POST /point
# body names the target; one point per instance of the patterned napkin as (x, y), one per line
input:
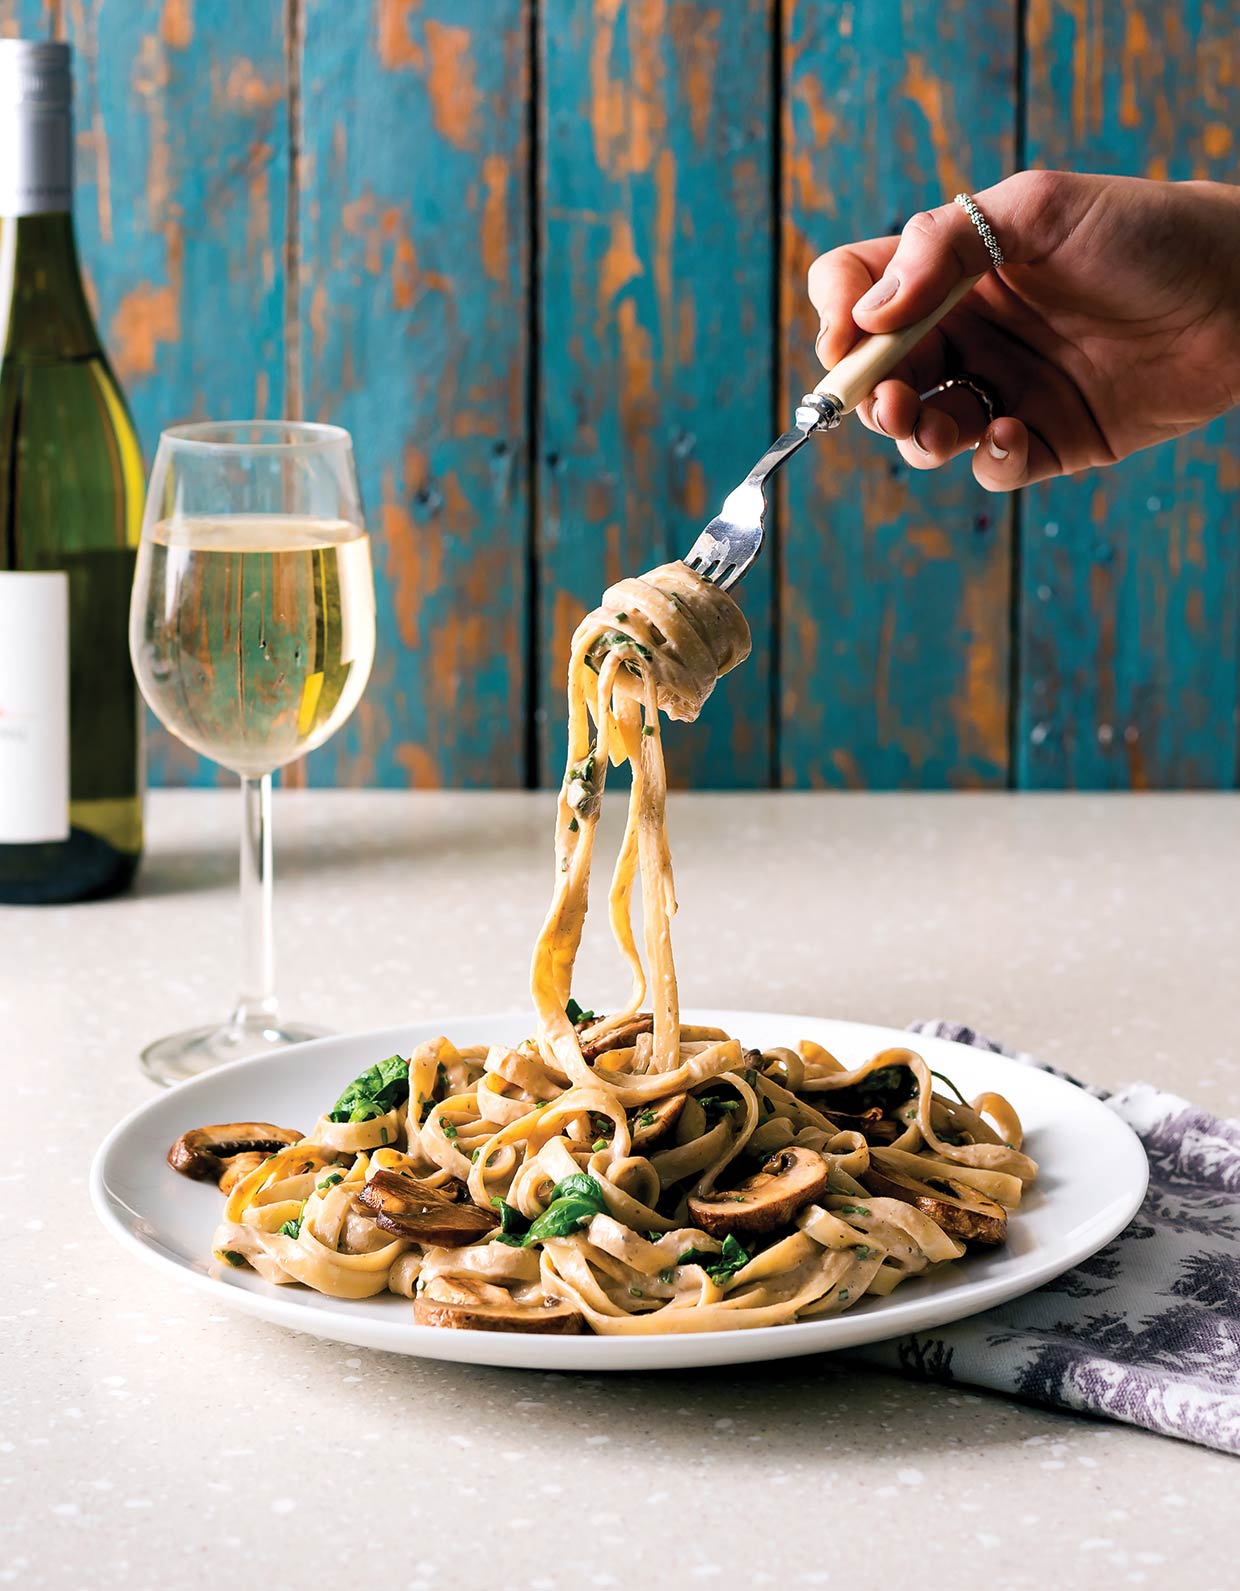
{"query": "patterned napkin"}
(1148, 1330)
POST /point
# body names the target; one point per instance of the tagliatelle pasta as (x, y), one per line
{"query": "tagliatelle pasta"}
(625, 1173)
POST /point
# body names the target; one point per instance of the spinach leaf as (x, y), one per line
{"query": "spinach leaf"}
(574, 1201)
(719, 1267)
(886, 1088)
(512, 1224)
(950, 1085)
(379, 1089)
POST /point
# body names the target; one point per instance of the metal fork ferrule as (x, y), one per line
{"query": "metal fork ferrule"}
(819, 411)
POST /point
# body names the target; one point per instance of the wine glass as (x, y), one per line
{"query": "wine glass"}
(252, 632)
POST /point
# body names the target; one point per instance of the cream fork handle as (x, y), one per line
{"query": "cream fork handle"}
(867, 362)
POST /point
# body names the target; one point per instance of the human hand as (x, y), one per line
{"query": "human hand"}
(1114, 322)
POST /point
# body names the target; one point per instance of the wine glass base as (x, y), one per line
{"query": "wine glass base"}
(183, 1055)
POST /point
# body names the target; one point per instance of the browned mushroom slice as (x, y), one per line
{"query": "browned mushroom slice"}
(204, 1153)
(961, 1211)
(448, 1301)
(765, 1201)
(410, 1208)
(873, 1126)
(619, 1038)
(653, 1123)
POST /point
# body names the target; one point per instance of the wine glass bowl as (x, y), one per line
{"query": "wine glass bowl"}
(252, 634)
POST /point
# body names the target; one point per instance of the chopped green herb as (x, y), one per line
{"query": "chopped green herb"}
(647, 729)
(750, 1074)
(292, 1228)
(330, 1182)
(618, 639)
(843, 1295)
(622, 618)
(862, 1252)
(473, 1156)
(654, 1236)
(376, 1091)
(573, 825)
(718, 1104)
(441, 1077)
(449, 1131)
(564, 865)
(232, 1256)
(646, 1119)
(575, 1014)
(667, 1277)
(636, 1292)
(767, 1106)
(542, 1104)
(598, 1144)
(383, 1136)
(853, 1209)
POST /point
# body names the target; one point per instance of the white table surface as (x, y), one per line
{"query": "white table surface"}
(151, 1439)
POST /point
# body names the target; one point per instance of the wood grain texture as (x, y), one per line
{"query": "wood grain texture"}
(182, 169)
(413, 326)
(1130, 596)
(655, 354)
(894, 601)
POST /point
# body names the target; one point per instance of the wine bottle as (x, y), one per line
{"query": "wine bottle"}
(71, 485)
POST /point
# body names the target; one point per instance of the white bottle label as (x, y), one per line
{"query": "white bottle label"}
(34, 707)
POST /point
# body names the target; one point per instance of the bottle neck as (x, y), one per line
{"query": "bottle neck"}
(43, 309)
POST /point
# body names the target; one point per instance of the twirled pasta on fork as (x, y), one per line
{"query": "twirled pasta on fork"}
(624, 1173)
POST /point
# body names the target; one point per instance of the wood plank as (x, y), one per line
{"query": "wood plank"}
(413, 245)
(1130, 593)
(894, 600)
(182, 171)
(656, 353)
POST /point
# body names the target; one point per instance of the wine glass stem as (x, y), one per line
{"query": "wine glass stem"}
(257, 1006)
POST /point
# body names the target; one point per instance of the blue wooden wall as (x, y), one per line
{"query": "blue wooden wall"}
(546, 260)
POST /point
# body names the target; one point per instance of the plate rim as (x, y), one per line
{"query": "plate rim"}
(797, 1339)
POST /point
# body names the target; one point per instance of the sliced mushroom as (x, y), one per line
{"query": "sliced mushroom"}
(961, 1211)
(653, 1123)
(448, 1301)
(873, 1126)
(791, 1178)
(619, 1038)
(414, 1209)
(207, 1153)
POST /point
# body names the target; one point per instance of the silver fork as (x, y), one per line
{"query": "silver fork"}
(727, 548)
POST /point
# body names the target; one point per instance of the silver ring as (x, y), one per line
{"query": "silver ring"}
(980, 389)
(969, 206)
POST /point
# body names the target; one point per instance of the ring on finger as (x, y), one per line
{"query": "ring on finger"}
(981, 390)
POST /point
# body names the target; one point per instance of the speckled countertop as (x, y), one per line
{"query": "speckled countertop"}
(149, 1439)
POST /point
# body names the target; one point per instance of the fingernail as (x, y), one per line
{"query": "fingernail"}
(917, 441)
(821, 342)
(878, 424)
(996, 452)
(884, 289)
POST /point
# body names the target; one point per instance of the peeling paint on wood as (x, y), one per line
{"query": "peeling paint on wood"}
(895, 593)
(414, 233)
(656, 345)
(1130, 595)
(182, 167)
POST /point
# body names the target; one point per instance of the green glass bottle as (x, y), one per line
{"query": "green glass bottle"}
(71, 484)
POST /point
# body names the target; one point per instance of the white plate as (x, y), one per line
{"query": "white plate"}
(1091, 1181)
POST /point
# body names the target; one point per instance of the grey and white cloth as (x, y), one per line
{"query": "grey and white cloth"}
(1148, 1330)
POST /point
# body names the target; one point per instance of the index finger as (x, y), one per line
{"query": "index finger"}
(837, 280)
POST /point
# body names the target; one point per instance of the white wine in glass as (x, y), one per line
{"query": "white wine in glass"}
(252, 631)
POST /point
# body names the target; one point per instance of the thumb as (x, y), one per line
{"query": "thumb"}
(939, 247)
